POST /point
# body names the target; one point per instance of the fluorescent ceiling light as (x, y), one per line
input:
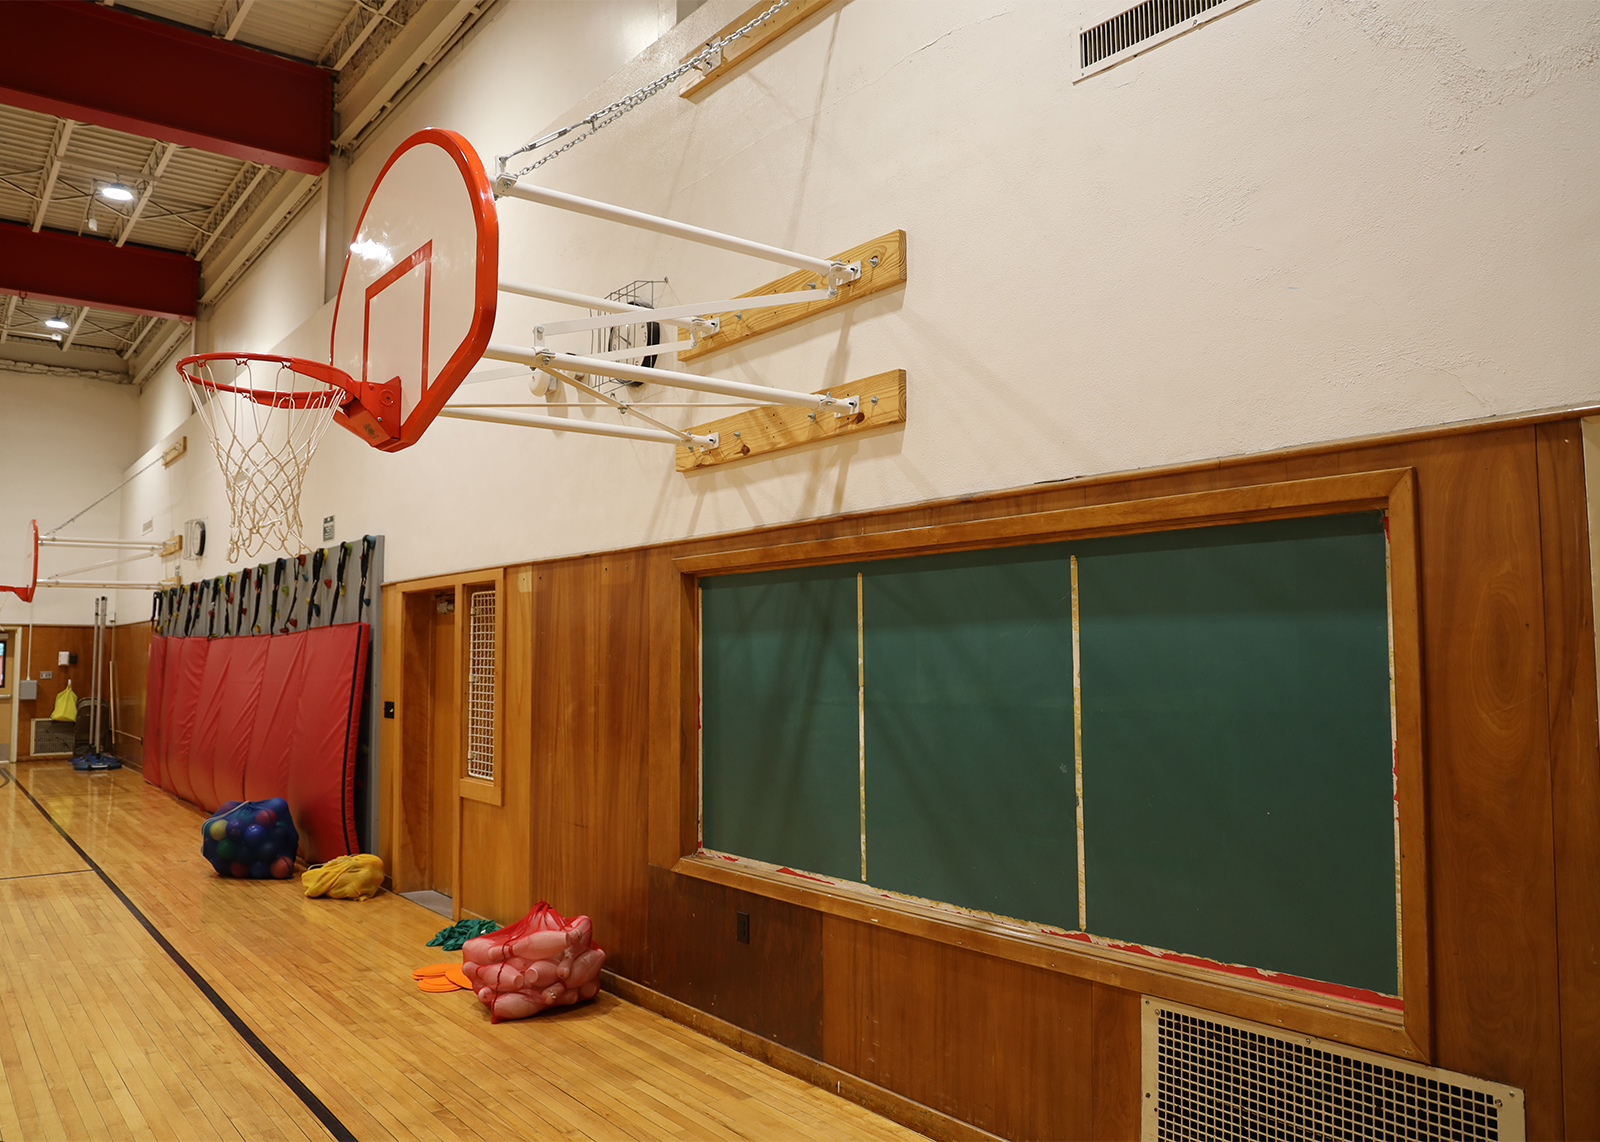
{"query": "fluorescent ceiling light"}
(57, 322)
(116, 192)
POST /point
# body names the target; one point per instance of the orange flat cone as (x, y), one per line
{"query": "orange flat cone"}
(432, 971)
(458, 977)
(439, 985)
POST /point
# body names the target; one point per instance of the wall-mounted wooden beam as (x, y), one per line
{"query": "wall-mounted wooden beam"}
(776, 428)
(750, 44)
(883, 266)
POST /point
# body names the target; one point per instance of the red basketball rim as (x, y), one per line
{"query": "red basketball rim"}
(336, 379)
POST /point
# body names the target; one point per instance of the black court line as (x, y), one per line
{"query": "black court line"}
(314, 1104)
(36, 875)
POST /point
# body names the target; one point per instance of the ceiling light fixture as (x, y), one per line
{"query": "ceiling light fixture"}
(116, 192)
(57, 322)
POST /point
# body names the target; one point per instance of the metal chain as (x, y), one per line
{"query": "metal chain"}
(612, 112)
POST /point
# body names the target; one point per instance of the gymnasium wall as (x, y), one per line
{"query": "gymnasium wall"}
(602, 745)
(64, 442)
(1304, 221)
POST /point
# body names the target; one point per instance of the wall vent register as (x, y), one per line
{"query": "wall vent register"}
(1209, 1076)
(480, 686)
(1142, 27)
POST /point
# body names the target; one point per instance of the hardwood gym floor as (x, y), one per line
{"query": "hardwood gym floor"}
(103, 1034)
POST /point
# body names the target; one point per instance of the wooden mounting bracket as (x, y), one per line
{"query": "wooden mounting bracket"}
(883, 266)
(749, 45)
(777, 428)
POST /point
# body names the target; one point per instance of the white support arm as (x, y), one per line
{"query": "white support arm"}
(833, 272)
(564, 424)
(697, 309)
(105, 586)
(538, 358)
(123, 544)
(585, 301)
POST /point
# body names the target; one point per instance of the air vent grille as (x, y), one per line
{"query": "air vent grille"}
(1207, 1076)
(1141, 28)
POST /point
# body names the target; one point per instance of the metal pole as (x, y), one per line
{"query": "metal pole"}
(94, 680)
(562, 424)
(128, 545)
(104, 585)
(584, 301)
(832, 271)
(847, 406)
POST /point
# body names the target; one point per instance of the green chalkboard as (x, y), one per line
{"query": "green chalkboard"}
(780, 760)
(1237, 759)
(970, 783)
(1236, 736)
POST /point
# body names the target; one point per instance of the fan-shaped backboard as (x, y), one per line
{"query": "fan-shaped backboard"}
(417, 301)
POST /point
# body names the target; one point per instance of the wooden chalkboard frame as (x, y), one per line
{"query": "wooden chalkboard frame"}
(1407, 1033)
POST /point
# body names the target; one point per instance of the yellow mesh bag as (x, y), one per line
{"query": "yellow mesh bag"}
(353, 877)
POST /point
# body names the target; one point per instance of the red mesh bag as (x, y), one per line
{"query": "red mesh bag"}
(543, 960)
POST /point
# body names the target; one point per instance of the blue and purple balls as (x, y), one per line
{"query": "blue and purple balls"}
(251, 840)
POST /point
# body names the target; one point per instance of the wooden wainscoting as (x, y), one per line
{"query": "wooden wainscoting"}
(601, 678)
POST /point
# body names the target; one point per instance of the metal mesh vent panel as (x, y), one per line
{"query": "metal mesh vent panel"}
(1136, 25)
(1211, 1078)
(480, 687)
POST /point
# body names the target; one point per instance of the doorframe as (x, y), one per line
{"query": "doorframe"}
(407, 677)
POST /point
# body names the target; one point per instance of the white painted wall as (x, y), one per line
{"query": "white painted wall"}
(1307, 220)
(64, 442)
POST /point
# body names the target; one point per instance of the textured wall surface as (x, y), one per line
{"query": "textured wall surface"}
(1303, 221)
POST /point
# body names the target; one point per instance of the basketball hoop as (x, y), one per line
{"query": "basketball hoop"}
(266, 415)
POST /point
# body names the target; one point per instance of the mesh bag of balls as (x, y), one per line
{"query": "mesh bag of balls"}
(251, 839)
(543, 960)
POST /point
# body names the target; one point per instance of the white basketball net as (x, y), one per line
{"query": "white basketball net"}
(265, 421)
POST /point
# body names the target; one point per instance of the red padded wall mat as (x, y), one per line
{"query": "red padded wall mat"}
(248, 718)
(236, 722)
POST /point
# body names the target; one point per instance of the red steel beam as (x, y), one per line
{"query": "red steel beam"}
(91, 271)
(85, 61)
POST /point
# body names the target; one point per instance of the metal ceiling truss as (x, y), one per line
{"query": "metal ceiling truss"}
(63, 139)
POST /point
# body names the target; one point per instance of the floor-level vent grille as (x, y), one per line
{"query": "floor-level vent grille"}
(1143, 27)
(1211, 1077)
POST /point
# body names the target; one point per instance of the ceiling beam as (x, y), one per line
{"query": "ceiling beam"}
(429, 27)
(47, 185)
(99, 65)
(88, 271)
(161, 156)
(233, 255)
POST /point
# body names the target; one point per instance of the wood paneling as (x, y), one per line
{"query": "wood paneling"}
(1509, 778)
(1003, 1046)
(771, 985)
(1115, 1082)
(923, 1119)
(130, 654)
(1574, 764)
(589, 831)
(44, 643)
